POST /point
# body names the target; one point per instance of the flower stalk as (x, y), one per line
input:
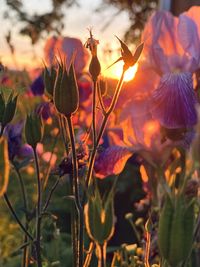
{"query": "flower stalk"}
(25, 203)
(38, 211)
(103, 125)
(75, 186)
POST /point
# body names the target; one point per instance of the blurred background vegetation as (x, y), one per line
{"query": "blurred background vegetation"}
(37, 25)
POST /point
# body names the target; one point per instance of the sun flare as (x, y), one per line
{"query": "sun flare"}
(116, 71)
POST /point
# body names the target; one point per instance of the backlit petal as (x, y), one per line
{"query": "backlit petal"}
(111, 161)
(174, 101)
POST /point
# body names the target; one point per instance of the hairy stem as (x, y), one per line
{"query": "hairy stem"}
(25, 203)
(102, 255)
(103, 126)
(23, 228)
(75, 185)
(50, 195)
(38, 211)
(94, 112)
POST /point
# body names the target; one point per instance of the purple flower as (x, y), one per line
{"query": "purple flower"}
(172, 50)
(158, 109)
(174, 101)
(46, 109)
(111, 161)
(37, 87)
(15, 146)
(65, 47)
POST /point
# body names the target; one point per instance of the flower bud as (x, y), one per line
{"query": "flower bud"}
(8, 109)
(99, 217)
(129, 216)
(66, 95)
(95, 68)
(4, 165)
(49, 79)
(34, 129)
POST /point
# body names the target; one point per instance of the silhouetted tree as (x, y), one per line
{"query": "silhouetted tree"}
(35, 25)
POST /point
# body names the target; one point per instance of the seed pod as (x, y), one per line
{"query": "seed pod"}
(58, 79)
(95, 68)
(99, 218)
(9, 110)
(66, 95)
(74, 92)
(165, 227)
(34, 129)
(49, 79)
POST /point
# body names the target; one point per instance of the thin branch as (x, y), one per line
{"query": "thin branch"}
(16, 217)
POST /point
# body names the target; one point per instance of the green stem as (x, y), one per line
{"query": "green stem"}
(25, 202)
(103, 125)
(25, 249)
(75, 183)
(50, 195)
(38, 211)
(102, 255)
(49, 164)
(16, 217)
(94, 112)
(101, 99)
(89, 254)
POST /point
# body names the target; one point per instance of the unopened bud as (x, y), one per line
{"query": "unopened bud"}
(7, 110)
(129, 216)
(34, 129)
(66, 95)
(95, 68)
(49, 79)
(99, 218)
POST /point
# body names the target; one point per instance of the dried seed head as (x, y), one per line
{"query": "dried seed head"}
(91, 44)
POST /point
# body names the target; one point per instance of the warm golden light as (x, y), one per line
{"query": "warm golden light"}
(150, 129)
(130, 73)
(116, 71)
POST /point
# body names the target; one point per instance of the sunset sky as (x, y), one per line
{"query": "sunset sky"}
(77, 21)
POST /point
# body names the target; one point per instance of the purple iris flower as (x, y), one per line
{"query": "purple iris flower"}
(15, 146)
(46, 109)
(161, 97)
(37, 87)
(172, 50)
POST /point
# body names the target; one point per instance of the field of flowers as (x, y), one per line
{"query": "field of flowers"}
(97, 172)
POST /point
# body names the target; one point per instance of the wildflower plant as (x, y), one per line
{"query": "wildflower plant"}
(155, 124)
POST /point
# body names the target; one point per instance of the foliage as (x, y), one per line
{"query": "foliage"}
(35, 25)
(138, 11)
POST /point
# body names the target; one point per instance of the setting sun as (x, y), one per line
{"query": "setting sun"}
(116, 71)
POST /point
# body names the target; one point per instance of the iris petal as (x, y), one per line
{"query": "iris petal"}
(174, 100)
(111, 161)
(188, 35)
